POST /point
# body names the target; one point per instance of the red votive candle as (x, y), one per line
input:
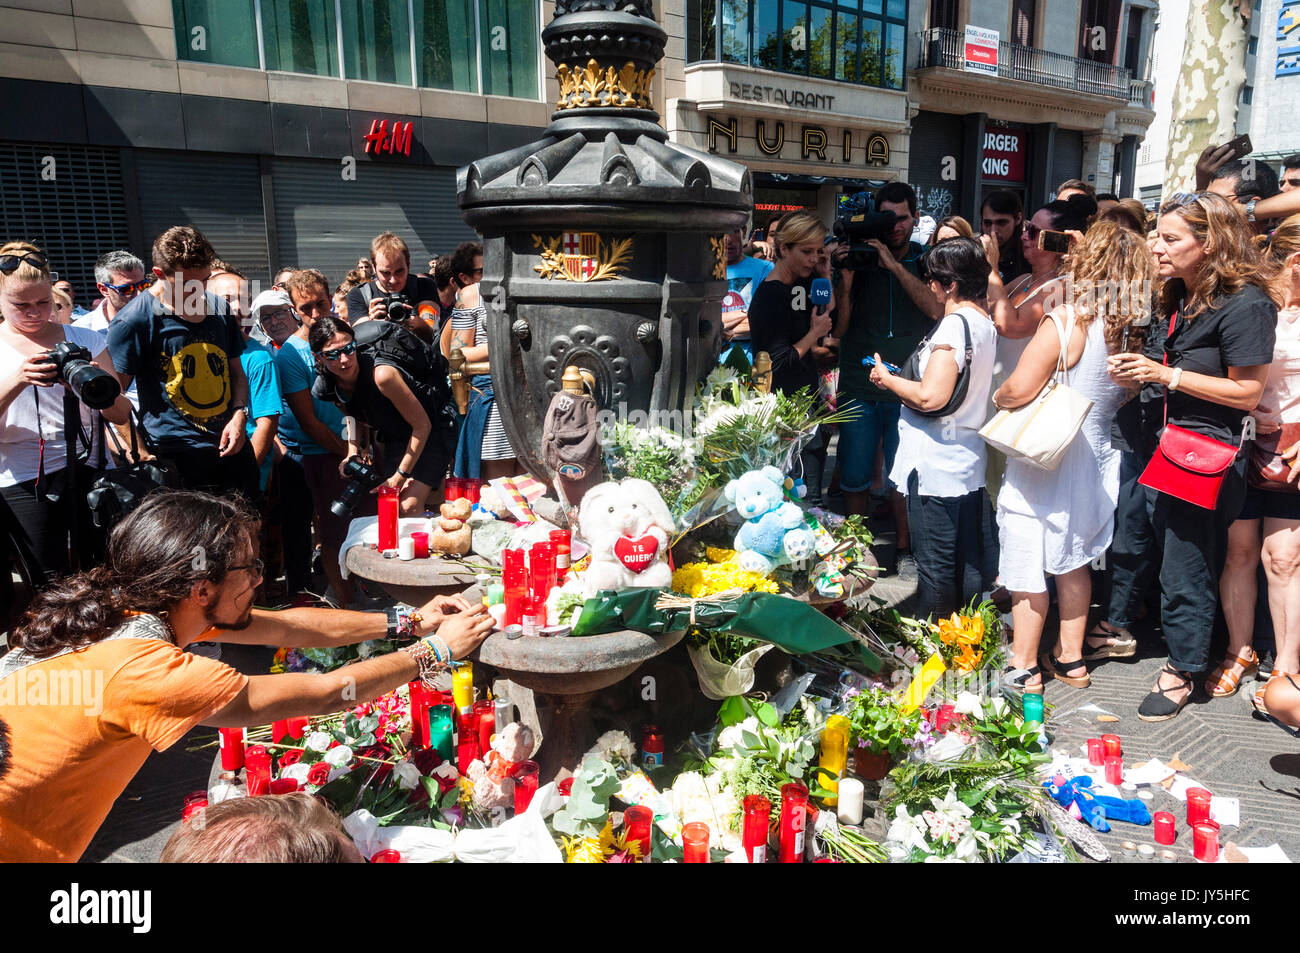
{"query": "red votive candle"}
(387, 857)
(257, 770)
(453, 489)
(486, 714)
(387, 518)
(1166, 827)
(466, 751)
(564, 786)
(472, 490)
(637, 819)
(695, 843)
(1205, 841)
(794, 814)
(525, 774)
(1114, 769)
(279, 731)
(541, 570)
(514, 578)
(419, 714)
(232, 748)
(298, 726)
(1096, 752)
(944, 716)
(421, 541)
(1198, 805)
(562, 541)
(283, 786)
(1112, 743)
(195, 801)
(758, 810)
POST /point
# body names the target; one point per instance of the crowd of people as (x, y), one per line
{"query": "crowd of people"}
(237, 434)
(1176, 328)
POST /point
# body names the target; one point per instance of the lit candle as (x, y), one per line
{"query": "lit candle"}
(794, 815)
(462, 688)
(1113, 745)
(525, 774)
(419, 714)
(637, 819)
(257, 770)
(695, 843)
(834, 755)
(850, 801)
(232, 748)
(758, 811)
(485, 713)
(421, 543)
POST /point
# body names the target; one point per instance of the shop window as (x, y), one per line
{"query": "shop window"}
(217, 31)
(445, 46)
(1022, 22)
(508, 40)
(943, 14)
(300, 36)
(377, 41)
(852, 40)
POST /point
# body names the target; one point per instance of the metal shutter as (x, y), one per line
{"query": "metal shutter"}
(935, 136)
(74, 217)
(327, 223)
(221, 196)
(1067, 157)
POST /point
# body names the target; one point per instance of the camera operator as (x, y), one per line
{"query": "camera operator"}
(133, 617)
(884, 309)
(389, 389)
(39, 466)
(181, 346)
(395, 293)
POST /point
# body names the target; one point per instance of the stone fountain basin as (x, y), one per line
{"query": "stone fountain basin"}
(573, 665)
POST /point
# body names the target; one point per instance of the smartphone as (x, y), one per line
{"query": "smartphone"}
(1049, 240)
(757, 236)
(871, 362)
(1240, 147)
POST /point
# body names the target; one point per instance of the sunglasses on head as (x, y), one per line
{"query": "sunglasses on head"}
(9, 263)
(333, 354)
(1181, 200)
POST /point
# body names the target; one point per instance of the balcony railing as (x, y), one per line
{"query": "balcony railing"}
(1140, 93)
(945, 48)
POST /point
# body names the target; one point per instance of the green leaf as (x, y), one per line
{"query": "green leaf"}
(450, 798)
(750, 740)
(767, 715)
(732, 711)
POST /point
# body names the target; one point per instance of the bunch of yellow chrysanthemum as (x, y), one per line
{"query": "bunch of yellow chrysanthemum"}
(722, 573)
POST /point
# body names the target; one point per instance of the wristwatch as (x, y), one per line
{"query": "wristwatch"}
(1250, 209)
(248, 414)
(403, 473)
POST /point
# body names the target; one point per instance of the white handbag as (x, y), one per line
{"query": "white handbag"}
(1040, 432)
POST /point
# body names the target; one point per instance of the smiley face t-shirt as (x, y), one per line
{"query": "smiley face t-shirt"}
(182, 369)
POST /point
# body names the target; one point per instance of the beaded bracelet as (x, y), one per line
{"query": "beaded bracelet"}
(428, 658)
(402, 622)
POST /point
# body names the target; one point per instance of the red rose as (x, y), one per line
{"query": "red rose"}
(292, 756)
(319, 773)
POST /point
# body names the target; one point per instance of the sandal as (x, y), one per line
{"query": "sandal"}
(1223, 681)
(1157, 706)
(1058, 669)
(1015, 679)
(1119, 643)
(1257, 700)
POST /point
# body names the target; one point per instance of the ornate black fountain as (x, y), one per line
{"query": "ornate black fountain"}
(603, 241)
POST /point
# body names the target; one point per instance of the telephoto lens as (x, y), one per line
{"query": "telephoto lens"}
(94, 386)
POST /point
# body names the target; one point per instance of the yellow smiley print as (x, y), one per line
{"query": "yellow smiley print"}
(198, 380)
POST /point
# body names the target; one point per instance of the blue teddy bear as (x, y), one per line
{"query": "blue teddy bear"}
(774, 533)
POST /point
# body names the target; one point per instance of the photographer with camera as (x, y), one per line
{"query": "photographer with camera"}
(885, 308)
(389, 384)
(53, 378)
(311, 431)
(394, 293)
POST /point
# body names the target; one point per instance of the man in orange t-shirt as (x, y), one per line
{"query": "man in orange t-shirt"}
(98, 676)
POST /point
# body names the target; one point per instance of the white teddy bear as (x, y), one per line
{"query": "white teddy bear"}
(627, 525)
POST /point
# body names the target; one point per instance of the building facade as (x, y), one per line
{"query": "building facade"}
(1269, 106)
(292, 131)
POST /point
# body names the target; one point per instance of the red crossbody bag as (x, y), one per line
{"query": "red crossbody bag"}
(1188, 465)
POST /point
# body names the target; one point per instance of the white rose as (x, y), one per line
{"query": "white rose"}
(447, 771)
(969, 704)
(298, 772)
(408, 776)
(318, 741)
(339, 756)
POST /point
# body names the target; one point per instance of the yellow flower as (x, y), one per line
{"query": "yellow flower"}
(719, 555)
(611, 843)
(583, 850)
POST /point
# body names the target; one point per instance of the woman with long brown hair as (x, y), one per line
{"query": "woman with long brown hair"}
(1272, 499)
(1210, 357)
(1057, 522)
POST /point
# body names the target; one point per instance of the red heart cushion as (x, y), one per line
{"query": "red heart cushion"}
(636, 554)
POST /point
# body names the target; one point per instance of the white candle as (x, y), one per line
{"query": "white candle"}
(406, 548)
(850, 806)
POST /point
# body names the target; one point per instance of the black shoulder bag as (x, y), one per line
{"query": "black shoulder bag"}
(911, 371)
(115, 493)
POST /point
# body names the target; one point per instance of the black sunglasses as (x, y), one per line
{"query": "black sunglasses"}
(9, 263)
(256, 567)
(334, 354)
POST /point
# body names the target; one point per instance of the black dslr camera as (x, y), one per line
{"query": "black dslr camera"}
(399, 307)
(363, 479)
(94, 386)
(855, 229)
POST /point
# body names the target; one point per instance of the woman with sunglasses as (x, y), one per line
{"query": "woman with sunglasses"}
(381, 393)
(1207, 363)
(36, 410)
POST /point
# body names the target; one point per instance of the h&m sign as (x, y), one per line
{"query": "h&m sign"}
(394, 139)
(813, 142)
